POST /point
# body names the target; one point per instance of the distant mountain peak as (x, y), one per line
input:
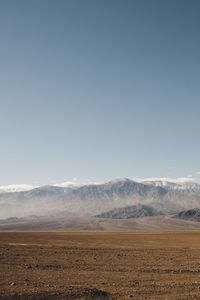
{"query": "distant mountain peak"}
(119, 180)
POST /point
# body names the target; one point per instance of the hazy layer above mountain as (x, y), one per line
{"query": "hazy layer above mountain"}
(128, 212)
(95, 199)
(15, 188)
(24, 187)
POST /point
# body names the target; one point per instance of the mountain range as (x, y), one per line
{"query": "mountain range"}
(95, 199)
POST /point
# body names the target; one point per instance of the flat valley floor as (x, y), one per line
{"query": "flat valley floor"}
(103, 265)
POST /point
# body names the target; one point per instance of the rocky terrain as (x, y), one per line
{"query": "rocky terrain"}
(87, 266)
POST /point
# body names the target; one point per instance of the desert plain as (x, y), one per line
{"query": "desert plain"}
(100, 265)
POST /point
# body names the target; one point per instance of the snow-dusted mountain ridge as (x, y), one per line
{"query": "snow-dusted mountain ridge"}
(94, 199)
(187, 185)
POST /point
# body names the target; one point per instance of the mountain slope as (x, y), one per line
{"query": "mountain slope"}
(190, 214)
(128, 212)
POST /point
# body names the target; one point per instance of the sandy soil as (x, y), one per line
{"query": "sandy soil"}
(156, 265)
(98, 224)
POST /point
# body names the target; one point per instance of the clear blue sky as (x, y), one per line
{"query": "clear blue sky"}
(99, 89)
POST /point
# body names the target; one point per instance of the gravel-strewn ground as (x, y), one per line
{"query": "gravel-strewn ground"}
(100, 265)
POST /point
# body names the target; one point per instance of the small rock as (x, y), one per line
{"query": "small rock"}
(13, 283)
(29, 267)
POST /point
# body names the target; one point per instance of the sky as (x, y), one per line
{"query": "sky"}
(99, 89)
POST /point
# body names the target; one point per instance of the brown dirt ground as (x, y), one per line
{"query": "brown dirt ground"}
(157, 265)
